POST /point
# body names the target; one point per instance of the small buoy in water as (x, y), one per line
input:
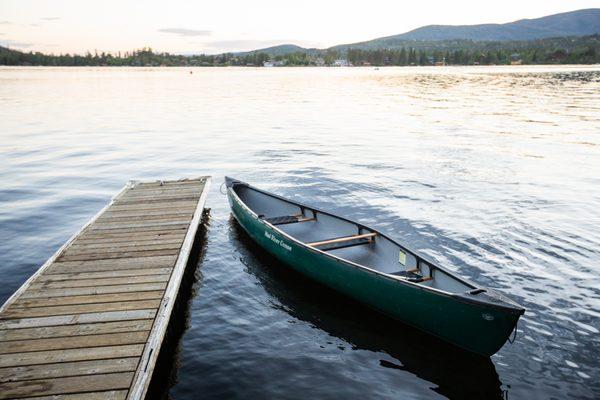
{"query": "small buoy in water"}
(191, 72)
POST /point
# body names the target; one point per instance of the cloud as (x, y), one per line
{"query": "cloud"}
(12, 43)
(35, 25)
(51, 18)
(5, 23)
(185, 31)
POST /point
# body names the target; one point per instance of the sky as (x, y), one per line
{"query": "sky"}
(204, 26)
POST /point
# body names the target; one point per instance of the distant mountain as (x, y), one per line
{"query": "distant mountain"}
(574, 23)
(280, 50)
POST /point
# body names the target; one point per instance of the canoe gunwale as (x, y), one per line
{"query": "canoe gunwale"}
(509, 306)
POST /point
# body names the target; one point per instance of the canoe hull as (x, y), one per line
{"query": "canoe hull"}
(474, 327)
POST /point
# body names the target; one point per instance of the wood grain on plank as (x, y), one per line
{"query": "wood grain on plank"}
(160, 184)
(121, 248)
(124, 280)
(109, 339)
(103, 274)
(136, 233)
(158, 191)
(137, 230)
(130, 263)
(130, 240)
(128, 232)
(138, 225)
(141, 287)
(166, 198)
(187, 212)
(182, 195)
(116, 255)
(121, 243)
(103, 240)
(16, 312)
(104, 395)
(76, 384)
(171, 206)
(88, 299)
(66, 355)
(76, 330)
(157, 200)
(174, 194)
(143, 219)
(180, 191)
(77, 319)
(76, 368)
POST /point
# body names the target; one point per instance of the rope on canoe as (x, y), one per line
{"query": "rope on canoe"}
(511, 341)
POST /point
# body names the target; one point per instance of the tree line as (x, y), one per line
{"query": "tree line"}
(581, 50)
(588, 55)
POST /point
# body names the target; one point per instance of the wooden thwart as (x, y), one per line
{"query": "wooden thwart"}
(89, 324)
(342, 239)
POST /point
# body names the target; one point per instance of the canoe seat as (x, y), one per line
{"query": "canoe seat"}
(287, 219)
(343, 242)
(412, 276)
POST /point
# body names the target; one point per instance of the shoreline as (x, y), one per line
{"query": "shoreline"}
(302, 66)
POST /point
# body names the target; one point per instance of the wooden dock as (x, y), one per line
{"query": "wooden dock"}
(90, 322)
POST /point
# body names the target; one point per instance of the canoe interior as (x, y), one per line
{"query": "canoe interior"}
(333, 235)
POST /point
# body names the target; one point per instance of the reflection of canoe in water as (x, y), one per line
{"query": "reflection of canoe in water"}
(372, 268)
(445, 368)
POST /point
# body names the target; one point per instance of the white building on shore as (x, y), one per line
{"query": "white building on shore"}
(273, 63)
(342, 62)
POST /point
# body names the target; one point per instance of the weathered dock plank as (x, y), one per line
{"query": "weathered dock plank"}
(38, 293)
(76, 368)
(76, 384)
(90, 322)
(54, 356)
(105, 274)
(76, 330)
(16, 312)
(109, 339)
(80, 300)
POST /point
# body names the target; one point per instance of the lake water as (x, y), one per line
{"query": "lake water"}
(492, 171)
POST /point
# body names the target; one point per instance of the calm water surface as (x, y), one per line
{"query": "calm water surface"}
(494, 172)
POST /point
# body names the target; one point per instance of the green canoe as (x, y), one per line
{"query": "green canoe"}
(372, 268)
